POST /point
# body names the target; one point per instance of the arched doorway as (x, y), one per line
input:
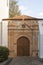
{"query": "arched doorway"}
(23, 46)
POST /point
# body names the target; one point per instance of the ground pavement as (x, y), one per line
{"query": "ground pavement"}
(25, 60)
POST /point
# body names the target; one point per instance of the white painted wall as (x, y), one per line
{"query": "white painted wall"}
(5, 33)
(4, 9)
(38, 44)
(40, 39)
(0, 33)
(4, 13)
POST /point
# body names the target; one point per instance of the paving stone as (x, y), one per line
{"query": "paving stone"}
(6, 62)
(25, 61)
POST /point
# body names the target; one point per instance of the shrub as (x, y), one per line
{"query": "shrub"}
(4, 52)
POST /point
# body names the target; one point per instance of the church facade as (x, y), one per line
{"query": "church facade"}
(23, 36)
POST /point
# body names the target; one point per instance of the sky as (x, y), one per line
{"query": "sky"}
(31, 7)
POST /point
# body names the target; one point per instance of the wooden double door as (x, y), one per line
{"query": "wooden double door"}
(23, 46)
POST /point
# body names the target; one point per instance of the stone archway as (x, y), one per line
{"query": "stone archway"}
(23, 46)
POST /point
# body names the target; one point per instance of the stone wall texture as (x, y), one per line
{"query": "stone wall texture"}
(20, 28)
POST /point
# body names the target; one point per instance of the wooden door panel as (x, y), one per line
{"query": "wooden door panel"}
(23, 47)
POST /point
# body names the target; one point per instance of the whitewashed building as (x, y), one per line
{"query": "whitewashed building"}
(4, 13)
(40, 41)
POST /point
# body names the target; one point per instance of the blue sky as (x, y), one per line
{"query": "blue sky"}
(31, 7)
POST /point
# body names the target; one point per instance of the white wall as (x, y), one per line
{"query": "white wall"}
(5, 33)
(40, 38)
(4, 9)
(4, 13)
(0, 33)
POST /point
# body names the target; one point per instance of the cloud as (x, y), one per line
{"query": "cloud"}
(25, 10)
(40, 15)
(22, 7)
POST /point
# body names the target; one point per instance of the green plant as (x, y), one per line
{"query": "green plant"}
(14, 9)
(4, 52)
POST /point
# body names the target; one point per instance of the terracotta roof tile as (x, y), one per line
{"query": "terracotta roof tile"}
(23, 17)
